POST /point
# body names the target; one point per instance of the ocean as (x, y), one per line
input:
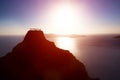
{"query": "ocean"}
(99, 53)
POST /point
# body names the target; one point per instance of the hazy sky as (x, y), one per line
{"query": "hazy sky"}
(83, 16)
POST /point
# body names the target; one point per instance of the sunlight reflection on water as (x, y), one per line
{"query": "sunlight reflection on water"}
(66, 43)
(100, 54)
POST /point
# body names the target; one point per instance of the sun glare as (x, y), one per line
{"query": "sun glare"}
(64, 18)
(66, 43)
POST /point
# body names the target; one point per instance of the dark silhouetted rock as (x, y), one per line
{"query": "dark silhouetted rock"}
(36, 58)
(117, 37)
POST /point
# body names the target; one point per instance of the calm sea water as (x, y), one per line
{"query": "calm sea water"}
(100, 54)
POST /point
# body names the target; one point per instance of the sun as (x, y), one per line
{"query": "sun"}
(64, 18)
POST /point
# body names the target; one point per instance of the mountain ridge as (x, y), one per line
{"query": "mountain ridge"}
(36, 58)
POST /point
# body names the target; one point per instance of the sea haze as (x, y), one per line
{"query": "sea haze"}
(99, 53)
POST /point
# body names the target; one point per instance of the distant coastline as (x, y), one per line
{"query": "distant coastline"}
(117, 37)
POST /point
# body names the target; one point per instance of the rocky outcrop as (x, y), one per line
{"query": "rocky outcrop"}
(36, 58)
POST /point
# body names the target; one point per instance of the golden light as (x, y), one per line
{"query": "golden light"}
(66, 43)
(67, 18)
(64, 18)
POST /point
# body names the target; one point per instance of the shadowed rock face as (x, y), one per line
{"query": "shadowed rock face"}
(36, 58)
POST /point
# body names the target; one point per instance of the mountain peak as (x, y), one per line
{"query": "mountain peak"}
(34, 36)
(36, 58)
